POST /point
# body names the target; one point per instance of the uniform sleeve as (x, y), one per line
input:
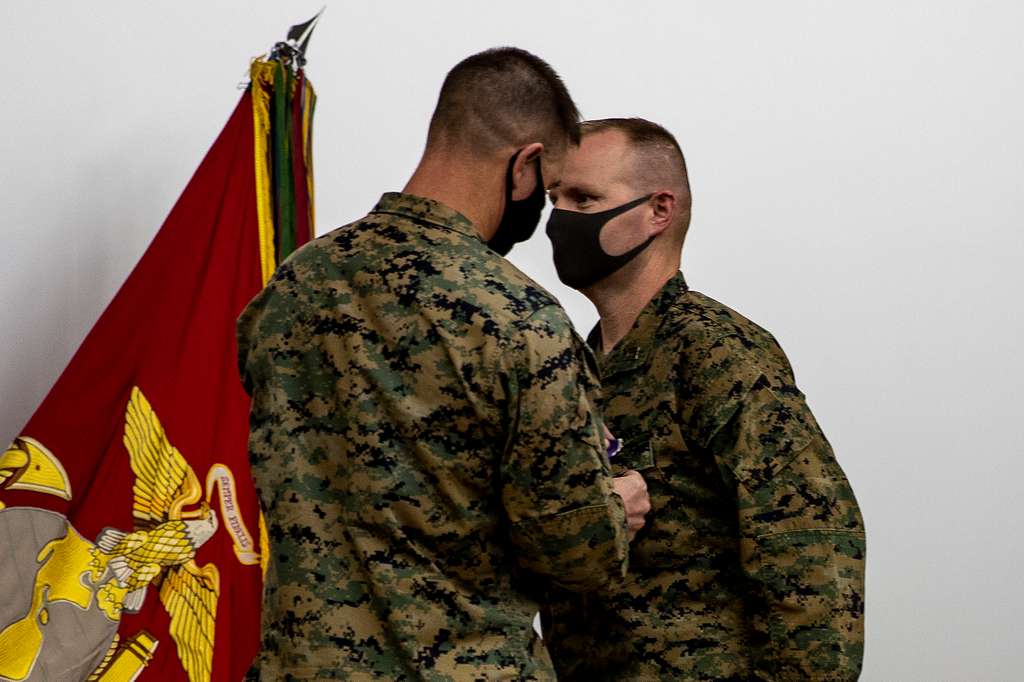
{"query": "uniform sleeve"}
(802, 541)
(274, 358)
(564, 518)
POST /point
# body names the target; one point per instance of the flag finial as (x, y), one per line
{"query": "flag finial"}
(293, 48)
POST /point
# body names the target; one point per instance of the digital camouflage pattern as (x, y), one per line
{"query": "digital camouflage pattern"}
(425, 444)
(751, 565)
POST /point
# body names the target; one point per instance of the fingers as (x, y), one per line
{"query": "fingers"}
(606, 436)
(632, 488)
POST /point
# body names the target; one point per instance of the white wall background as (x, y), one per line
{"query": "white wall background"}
(856, 169)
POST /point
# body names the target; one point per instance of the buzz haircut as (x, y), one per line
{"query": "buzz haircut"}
(658, 151)
(503, 97)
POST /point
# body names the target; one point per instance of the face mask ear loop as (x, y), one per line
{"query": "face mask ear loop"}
(539, 188)
(511, 168)
(508, 176)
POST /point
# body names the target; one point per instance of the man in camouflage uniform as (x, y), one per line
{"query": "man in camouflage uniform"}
(752, 563)
(423, 430)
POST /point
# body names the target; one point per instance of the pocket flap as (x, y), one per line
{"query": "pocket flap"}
(636, 455)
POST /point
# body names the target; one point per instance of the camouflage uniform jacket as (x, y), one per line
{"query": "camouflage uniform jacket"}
(423, 431)
(751, 565)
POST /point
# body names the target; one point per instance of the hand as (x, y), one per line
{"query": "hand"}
(632, 488)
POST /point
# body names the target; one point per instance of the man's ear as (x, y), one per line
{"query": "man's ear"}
(524, 171)
(663, 210)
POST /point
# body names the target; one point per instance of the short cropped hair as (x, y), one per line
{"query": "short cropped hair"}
(504, 97)
(658, 162)
(658, 151)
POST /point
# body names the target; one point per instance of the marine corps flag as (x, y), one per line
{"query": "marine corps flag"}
(130, 533)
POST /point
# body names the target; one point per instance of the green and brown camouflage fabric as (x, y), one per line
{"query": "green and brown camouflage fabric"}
(425, 443)
(751, 565)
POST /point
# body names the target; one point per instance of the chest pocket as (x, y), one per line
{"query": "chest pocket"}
(637, 454)
(640, 407)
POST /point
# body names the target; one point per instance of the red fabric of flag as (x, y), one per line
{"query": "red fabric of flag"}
(149, 408)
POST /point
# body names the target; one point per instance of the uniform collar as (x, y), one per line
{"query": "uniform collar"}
(427, 211)
(635, 349)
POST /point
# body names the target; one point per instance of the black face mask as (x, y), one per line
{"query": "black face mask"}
(576, 241)
(519, 221)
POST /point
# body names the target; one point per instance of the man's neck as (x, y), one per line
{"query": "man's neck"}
(620, 300)
(471, 187)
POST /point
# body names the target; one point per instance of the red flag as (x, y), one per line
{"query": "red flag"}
(130, 527)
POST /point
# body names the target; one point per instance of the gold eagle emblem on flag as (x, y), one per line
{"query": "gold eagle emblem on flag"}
(163, 547)
(111, 577)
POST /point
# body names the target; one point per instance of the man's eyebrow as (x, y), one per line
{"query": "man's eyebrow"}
(554, 185)
(579, 189)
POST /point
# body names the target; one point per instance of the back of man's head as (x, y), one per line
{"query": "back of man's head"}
(500, 98)
(657, 161)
